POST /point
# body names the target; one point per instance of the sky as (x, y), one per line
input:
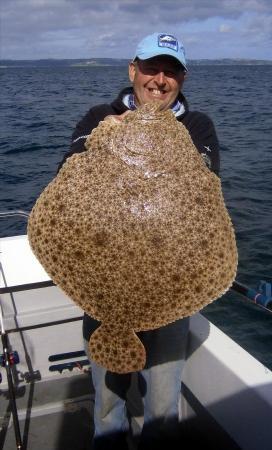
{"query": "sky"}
(37, 29)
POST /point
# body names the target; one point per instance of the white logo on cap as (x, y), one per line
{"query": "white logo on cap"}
(167, 40)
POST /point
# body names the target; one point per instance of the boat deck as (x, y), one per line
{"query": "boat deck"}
(57, 415)
(53, 415)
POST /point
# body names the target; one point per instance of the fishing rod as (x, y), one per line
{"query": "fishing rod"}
(262, 296)
(7, 360)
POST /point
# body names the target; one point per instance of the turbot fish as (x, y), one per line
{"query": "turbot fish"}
(135, 231)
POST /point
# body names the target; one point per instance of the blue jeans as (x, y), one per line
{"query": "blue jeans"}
(159, 385)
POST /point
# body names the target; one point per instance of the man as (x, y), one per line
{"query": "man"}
(157, 72)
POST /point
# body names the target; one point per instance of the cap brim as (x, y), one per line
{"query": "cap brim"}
(148, 55)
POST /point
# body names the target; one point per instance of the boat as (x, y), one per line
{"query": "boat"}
(46, 392)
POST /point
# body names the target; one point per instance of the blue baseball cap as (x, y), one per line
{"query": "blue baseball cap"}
(157, 44)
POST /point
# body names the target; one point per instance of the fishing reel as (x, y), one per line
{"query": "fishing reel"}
(263, 295)
(9, 358)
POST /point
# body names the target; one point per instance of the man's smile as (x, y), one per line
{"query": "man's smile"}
(156, 92)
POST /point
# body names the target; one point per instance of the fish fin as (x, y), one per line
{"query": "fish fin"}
(119, 351)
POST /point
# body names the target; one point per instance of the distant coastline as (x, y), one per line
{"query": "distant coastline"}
(104, 62)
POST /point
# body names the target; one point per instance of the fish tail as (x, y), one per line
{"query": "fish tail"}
(119, 351)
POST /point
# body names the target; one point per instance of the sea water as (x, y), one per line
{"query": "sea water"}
(40, 107)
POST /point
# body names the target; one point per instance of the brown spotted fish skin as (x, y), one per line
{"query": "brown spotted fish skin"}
(135, 231)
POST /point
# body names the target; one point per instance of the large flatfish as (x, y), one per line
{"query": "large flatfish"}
(135, 231)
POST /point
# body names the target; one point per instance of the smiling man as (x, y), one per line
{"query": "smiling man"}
(157, 78)
(157, 72)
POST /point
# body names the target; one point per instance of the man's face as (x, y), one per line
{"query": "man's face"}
(158, 78)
